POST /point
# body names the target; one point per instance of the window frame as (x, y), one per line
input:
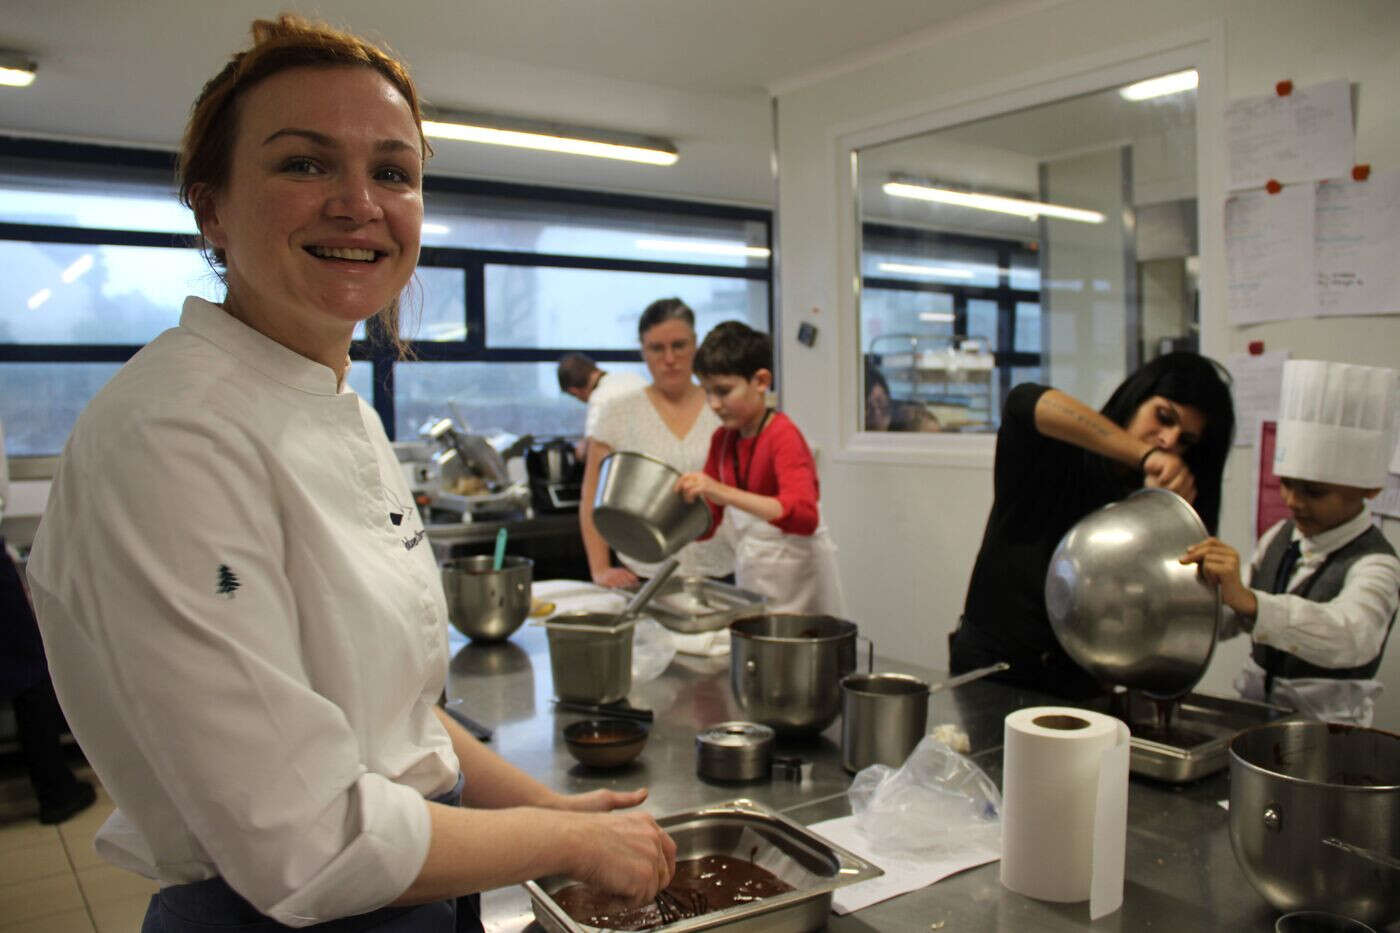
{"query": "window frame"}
(472, 261)
(1201, 48)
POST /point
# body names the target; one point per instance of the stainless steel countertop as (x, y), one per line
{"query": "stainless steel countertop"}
(1181, 872)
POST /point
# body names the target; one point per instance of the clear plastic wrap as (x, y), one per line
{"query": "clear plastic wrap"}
(938, 802)
(653, 647)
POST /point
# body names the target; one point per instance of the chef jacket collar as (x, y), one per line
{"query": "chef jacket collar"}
(1326, 542)
(260, 352)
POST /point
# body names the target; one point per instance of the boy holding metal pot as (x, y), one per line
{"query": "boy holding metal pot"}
(1325, 583)
(760, 464)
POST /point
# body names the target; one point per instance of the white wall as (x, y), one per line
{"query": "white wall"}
(908, 513)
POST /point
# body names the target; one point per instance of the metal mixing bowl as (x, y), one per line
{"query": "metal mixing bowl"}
(486, 604)
(786, 670)
(1122, 604)
(1294, 784)
(638, 511)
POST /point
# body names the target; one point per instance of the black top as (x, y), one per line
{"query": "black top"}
(1042, 487)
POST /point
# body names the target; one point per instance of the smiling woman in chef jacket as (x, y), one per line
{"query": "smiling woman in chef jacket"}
(243, 619)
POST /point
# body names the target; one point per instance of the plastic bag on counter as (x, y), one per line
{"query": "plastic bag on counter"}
(653, 647)
(938, 802)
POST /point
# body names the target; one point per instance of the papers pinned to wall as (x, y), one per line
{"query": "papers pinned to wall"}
(1304, 135)
(1324, 248)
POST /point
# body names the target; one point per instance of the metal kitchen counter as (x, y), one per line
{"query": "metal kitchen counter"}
(1181, 874)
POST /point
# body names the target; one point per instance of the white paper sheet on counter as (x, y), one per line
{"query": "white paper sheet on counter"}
(902, 873)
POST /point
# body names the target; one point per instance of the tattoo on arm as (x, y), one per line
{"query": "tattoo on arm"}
(1093, 425)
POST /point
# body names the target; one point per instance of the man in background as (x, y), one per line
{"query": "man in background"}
(580, 377)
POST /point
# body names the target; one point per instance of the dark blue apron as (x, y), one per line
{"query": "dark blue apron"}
(208, 906)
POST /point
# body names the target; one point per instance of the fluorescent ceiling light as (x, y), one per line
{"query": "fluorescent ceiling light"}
(16, 69)
(551, 137)
(936, 317)
(1161, 87)
(39, 297)
(710, 247)
(77, 269)
(943, 272)
(1030, 210)
(436, 228)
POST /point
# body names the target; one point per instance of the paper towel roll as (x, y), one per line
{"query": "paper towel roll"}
(1064, 806)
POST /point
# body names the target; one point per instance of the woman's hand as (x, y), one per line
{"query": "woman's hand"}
(601, 801)
(1220, 564)
(1163, 469)
(626, 854)
(693, 485)
(616, 577)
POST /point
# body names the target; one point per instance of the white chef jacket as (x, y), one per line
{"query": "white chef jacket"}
(610, 386)
(1344, 632)
(246, 645)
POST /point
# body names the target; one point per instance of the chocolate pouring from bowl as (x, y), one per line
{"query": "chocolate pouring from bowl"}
(1121, 602)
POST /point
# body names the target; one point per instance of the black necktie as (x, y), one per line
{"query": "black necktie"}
(1285, 567)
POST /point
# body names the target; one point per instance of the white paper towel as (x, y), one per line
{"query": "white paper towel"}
(1065, 806)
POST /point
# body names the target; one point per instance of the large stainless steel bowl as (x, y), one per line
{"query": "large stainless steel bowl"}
(638, 511)
(1122, 604)
(486, 604)
(1295, 785)
(786, 670)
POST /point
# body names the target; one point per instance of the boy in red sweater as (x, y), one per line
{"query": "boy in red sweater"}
(760, 467)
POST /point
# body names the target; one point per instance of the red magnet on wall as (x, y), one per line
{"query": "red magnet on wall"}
(1256, 348)
(1284, 87)
(1272, 186)
(1361, 172)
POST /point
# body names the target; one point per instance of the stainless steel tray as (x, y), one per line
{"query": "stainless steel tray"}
(699, 604)
(1214, 719)
(742, 828)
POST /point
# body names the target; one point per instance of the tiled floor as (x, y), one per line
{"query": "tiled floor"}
(51, 880)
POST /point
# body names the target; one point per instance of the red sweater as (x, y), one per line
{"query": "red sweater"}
(777, 462)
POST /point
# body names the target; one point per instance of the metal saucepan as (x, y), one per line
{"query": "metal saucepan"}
(1297, 790)
(1121, 602)
(786, 670)
(638, 511)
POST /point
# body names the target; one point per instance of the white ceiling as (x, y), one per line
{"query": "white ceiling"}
(125, 71)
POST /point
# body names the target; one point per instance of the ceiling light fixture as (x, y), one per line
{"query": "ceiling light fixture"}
(17, 69)
(942, 272)
(1161, 87)
(936, 317)
(550, 137)
(1031, 210)
(436, 229)
(710, 247)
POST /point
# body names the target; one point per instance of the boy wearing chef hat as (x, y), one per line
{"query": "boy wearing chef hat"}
(1325, 583)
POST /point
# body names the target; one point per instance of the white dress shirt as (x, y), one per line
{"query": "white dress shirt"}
(610, 386)
(246, 645)
(1346, 631)
(631, 422)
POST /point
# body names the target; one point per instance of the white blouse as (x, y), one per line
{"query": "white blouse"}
(631, 422)
(246, 626)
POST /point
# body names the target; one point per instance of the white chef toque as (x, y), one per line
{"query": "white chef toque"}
(1336, 423)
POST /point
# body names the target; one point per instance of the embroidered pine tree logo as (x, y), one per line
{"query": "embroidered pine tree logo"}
(228, 581)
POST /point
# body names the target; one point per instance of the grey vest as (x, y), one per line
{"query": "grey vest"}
(1323, 585)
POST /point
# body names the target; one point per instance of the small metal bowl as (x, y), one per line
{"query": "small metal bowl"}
(605, 743)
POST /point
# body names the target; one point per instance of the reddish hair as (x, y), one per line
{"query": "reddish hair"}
(289, 41)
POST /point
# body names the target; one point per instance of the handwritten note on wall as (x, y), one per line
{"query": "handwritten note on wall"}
(1304, 136)
(1269, 254)
(1357, 227)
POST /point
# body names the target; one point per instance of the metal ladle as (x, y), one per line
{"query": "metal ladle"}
(644, 595)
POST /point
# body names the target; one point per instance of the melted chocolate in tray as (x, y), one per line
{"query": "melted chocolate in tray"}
(701, 885)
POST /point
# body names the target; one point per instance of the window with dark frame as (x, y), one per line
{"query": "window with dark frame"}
(510, 278)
